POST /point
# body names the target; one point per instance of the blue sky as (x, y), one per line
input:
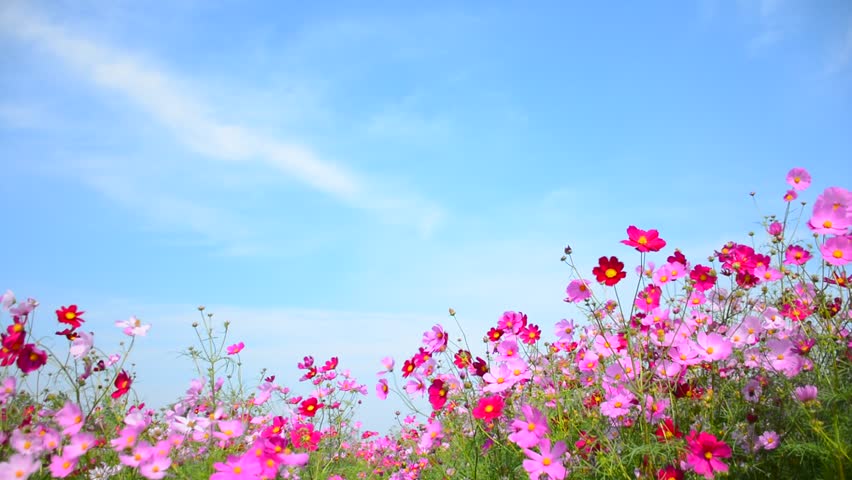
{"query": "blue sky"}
(332, 178)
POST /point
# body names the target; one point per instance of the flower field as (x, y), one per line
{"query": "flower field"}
(734, 364)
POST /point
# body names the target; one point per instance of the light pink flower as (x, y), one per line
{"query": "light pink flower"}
(19, 467)
(70, 418)
(799, 179)
(133, 327)
(837, 251)
(768, 441)
(62, 465)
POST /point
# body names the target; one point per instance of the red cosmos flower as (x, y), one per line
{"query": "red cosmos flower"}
(530, 334)
(408, 368)
(463, 359)
(70, 315)
(437, 394)
(667, 431)
(644, 241)
(488, 408)
(670, 472)
(494, 334)
(309, 407)
(122, 384)
(31, 358)
(609, 271)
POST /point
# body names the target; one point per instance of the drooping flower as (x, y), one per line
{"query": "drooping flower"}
(122, 384)
(236, 348)
(790, 195)
(70, 315)
(806, 393)
(799, 179)
(609, 271)
(133, 327)
(705, 454)
(382, 389)
(644, 241)
(81, 344)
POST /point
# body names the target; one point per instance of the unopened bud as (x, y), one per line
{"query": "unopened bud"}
(452, 313)
(201, 308)
(568, 250)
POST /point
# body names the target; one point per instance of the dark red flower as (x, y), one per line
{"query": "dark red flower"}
(462, 359)
(609, 271)
(31, 358)
(122, 384)
(70, 315)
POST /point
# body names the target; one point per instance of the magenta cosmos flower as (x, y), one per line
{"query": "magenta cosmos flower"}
(548, 462)
(705, 452)
(236, 348)
(644, 241)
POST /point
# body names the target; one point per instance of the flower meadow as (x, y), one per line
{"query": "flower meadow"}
(735, 364)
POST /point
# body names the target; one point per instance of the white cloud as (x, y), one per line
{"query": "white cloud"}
(172, 103)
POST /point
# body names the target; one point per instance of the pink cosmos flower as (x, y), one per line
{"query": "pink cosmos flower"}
(578, 290)
(230, 429)
(530, 429)
(790, 196)
(768, 441)
(498, 380)
(565, 329)
(705, 452)
(236, 348)
(828, 221)
(70, 418)
(7, 389)
(80, 444)
(155, 468)
(141, 453)
(237, 468)
(837, 251)
(19, 467)
(616, 406)
(799, 179)
(549, 462)
(434, 433)
(25, 443)
(712, 346)
(388, 364)
(62, 465)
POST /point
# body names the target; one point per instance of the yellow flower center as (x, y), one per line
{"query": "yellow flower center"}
(710, 350)
(489, 408)
(545, 461)
(70, 315)
(610, 273)
(531, 426)
(837, 254)
(642, 240)
(708, 455)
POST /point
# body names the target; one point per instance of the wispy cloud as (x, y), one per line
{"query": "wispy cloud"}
(171, 102)
(841, 54)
